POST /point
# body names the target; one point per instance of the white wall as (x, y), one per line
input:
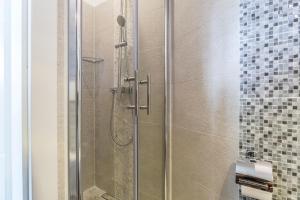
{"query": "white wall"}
(44, 99)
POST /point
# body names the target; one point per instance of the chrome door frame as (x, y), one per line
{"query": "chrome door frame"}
(168, 101)
(74, 98)
(136, 97)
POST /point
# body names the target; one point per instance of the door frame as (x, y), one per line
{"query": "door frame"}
(74, 99)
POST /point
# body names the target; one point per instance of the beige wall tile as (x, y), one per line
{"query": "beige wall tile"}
(206, 99)
(104, 15)
(151, 160)
(151, 29)
(156, 104)
(88, 112)
(208, 106)
(88, 29)
(146, 6)
(202, 53)
(205, 160)
(152, 62)
(104, 48)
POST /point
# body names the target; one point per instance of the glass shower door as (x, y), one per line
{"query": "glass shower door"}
(116, 109)
(107, 94)
(151, 93)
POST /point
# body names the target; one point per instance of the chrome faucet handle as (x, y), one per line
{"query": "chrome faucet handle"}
(130, 78)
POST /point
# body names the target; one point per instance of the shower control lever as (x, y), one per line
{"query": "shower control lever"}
(131, 107)
(130, 79)
(147, 82)
(122, 44)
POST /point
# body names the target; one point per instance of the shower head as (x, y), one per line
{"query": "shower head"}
(121, 21)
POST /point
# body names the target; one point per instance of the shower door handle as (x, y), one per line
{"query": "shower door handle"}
(135, 79)
(147, 82)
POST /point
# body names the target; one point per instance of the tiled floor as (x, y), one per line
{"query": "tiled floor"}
(94, 193)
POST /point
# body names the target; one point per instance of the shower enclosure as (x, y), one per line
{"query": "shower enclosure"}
(165, 96)
(118, 99)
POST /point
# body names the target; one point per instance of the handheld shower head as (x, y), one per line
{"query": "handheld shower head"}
(121, 20)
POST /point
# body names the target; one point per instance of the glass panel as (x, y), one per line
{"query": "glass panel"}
(107, 125)
(151, 127)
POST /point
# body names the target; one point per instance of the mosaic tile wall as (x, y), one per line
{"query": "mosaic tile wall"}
(270, 95)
